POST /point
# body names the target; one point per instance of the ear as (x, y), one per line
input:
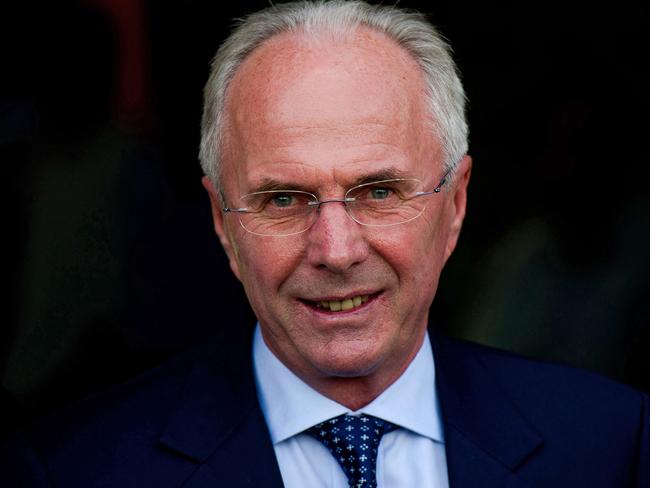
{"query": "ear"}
(458, 202)
(220, 227)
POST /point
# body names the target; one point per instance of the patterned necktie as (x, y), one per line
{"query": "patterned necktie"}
(353, 442)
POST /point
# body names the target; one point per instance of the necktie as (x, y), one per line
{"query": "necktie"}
(353, 442)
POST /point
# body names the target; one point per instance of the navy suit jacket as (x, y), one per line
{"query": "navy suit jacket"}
(195, 422)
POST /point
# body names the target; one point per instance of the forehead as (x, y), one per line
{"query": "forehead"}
(324, 107)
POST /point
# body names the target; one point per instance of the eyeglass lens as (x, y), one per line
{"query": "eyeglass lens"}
(384, 203)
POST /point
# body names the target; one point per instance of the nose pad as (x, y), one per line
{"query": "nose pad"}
(335, 240)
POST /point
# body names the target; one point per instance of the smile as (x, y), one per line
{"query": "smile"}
(342, 305)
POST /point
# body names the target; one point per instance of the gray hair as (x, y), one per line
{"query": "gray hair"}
(409, 29)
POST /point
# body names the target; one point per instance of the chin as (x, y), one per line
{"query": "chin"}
(349, 363)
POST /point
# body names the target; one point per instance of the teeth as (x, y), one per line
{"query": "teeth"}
(347, 304)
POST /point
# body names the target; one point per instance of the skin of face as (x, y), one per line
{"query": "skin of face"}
(322, 116)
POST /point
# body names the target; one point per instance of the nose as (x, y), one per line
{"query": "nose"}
(335, 241)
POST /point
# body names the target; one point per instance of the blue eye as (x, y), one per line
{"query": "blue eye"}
(283, 200)
(379, 193)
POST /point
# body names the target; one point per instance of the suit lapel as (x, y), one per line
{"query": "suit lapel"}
(245, 459)
(486, 437)
(470, 465)
(219, 426)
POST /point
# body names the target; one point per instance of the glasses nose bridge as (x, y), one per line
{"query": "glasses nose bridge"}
(345, 201)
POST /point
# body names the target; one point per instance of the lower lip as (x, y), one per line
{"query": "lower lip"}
(341, 313)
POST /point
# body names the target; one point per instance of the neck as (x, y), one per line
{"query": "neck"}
(350, 390)
(355, 392)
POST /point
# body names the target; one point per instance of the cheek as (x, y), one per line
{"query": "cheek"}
(266, 264)
(436, 232)
(417, 256)
(404, 249)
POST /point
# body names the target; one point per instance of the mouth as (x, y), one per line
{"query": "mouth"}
(342, 305)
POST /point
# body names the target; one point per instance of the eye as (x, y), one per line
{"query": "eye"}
(282, 200)
(384, 193)
(379, 192)
(283, 203)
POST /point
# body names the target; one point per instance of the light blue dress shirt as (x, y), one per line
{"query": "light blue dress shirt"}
(412, 456)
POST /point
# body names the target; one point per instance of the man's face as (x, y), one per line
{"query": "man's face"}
(322, 119)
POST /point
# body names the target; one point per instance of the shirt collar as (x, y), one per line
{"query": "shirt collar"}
(290, 406)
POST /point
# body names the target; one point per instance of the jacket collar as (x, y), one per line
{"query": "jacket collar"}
(487, 438)
(219, 424)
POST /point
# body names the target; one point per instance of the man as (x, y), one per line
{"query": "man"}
(334, 146)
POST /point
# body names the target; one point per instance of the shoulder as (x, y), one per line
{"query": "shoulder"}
(114, 438)
(543, 382)
(567, 423)
(538, 386)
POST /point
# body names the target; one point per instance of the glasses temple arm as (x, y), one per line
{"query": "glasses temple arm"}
(241, 210)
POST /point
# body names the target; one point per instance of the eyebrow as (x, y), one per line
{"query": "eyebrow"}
(380, 175)
(271, 184)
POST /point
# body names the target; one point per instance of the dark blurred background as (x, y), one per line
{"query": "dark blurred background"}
(112, 262)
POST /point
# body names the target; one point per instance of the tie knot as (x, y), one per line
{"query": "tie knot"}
(353, 441)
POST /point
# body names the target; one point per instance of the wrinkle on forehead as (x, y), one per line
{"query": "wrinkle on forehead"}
(288, 65)
(290, 56)
(349, 101)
